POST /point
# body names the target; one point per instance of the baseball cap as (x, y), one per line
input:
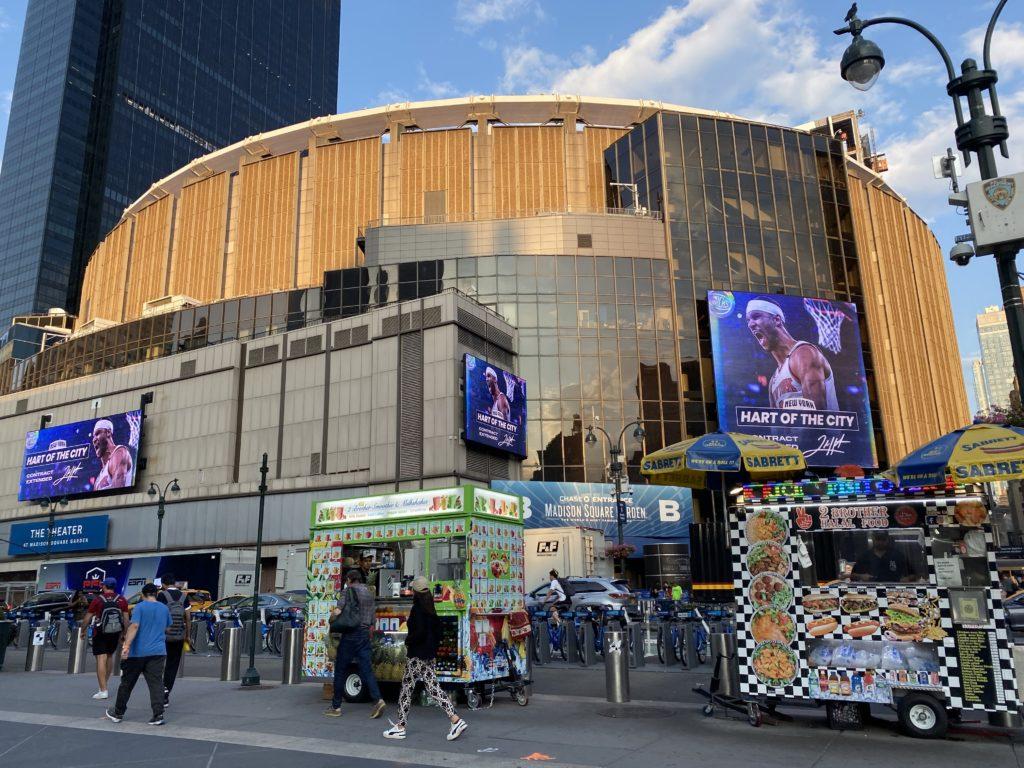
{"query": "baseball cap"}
(150, 589)
(110, 582)
(420, 584)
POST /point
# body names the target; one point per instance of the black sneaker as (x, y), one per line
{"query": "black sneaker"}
(156, 720)
(111, 716)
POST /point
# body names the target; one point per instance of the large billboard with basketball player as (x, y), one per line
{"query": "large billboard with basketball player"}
(80, 458)
(790, 369)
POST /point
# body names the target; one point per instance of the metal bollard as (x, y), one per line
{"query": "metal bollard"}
(291, 655)
(637, 657)
(616, 666)
(543, 642)
(78, 652)
(231, 660)
(7, 629)
(589, 649)
(202, 636)
(726, 674)
(668, 648)
(36, 650)
(115, 662)
(24, 633)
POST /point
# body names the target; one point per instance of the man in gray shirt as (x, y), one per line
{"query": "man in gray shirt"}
(354, 645)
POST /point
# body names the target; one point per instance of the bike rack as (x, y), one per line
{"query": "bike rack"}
(543, 644)
(589, 652)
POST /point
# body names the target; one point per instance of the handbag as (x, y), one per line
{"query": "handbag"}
(348, 618)
(519, 625)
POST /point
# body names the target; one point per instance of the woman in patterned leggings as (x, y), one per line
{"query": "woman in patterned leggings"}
(421, 641)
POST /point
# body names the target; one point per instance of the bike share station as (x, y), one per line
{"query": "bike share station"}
(468, 542)
(855, 592)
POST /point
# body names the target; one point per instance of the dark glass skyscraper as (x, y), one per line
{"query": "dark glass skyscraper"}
(112, 95)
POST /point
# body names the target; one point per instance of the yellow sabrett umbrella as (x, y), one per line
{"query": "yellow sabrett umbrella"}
(688, 462)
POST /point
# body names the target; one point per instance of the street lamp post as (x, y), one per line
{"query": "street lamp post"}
(50, 505)
(616, 466)
(154, 490)
(860, 66)
(251, 678)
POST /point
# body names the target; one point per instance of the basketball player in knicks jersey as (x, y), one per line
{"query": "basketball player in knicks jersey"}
(803, 379)
(115, 460)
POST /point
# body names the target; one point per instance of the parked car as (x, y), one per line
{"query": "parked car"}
(37, 606)
(273, 604)
(1014, 607)
(198, 600)
(593, 591)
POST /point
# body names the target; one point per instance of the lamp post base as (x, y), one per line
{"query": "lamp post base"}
(251, 678)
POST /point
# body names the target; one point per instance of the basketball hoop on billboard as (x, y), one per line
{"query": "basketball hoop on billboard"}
(829, 321)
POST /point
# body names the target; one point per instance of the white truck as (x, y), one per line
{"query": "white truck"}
(570, 550)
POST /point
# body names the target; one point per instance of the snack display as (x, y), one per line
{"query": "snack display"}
(821, 627)
(860, 629)
(769, 589)
(772, 624)
(856, 602)
(768, 557)
(767, 525)
(970, 513)
(774, 664)
(820, 603)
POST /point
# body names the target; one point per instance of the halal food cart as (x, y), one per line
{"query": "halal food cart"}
(854, 592)
(467, 541)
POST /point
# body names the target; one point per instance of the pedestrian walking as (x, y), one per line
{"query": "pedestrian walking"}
(352, 620)
(421, 642)
(144, 652)
(108, 613)
(181, 623)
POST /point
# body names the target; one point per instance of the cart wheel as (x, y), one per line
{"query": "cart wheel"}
(754, 714)
(353, 690)
(922, 716)
(521, 697)
(473, 698)
(708, 710)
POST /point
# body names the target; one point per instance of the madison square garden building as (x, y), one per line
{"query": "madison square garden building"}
(311, 293)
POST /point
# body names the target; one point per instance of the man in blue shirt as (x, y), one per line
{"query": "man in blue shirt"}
(144, 652)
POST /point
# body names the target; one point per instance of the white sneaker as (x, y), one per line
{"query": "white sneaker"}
(457, 729)
(101, 695)
(395, 731)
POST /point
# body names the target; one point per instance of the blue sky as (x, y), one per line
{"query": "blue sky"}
(775, 60)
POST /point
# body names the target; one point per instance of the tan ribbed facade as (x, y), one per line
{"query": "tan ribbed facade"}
(276, 211)
(910, 323)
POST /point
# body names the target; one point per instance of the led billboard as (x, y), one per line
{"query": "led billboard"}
(790, 368)
(81, 458)
(495, 407)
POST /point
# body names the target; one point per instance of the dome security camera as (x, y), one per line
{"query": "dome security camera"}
(961, 254)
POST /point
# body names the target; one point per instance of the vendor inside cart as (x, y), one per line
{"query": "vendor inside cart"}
(872, 556)
(391, 566)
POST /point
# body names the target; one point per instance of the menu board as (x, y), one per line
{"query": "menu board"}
(976, 649)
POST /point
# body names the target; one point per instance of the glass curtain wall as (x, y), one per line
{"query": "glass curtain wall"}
(747, 207)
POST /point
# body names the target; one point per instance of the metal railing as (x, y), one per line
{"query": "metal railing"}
(474, 216)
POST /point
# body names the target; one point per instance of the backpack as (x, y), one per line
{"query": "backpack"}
(111, 619)
(176, 632)
(348, 619)
(566, 587)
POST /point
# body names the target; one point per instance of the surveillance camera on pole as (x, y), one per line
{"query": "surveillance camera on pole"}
(961, 254)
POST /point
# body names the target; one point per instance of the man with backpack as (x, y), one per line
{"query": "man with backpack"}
(108, 613)
(353, 619)
(559, 595)
(177, 604)
(143, 653)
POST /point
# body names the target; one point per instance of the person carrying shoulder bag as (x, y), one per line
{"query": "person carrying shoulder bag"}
(352, 620)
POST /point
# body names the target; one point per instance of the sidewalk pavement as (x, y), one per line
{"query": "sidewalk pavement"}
(564, 721)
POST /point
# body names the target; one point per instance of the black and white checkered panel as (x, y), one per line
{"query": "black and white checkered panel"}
(745, 645)
(1007, 696)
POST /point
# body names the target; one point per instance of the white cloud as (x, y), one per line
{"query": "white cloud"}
(426, 88)
(757, 58)
(472, 14)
